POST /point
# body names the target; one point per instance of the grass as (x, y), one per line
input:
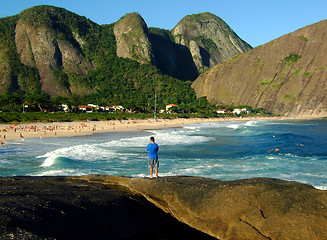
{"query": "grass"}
(291, 58)
(296, 72)
(303, 38)
(275, 85)
(264, 82)
(290, 97)
(306, 74)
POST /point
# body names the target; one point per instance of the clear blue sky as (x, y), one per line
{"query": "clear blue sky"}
(255, 21)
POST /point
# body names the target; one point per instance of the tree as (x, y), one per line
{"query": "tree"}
(38, 101)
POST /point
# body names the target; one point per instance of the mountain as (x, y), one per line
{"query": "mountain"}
(197, 43)
(49, 50)
(209, 39)
(132, 38)
(287, 75)
(38, 46)
(45, 40)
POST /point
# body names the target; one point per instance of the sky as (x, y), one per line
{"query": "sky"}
(255, 21)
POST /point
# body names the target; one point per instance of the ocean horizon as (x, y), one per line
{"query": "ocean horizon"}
(291, 150)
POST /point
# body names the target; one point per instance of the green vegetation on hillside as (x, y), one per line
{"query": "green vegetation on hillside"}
(303, 38)
(292, 58)
(113, 81)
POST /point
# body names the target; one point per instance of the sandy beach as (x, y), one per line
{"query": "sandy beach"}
(10, 132)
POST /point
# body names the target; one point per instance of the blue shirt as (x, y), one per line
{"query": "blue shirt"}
(153, 149)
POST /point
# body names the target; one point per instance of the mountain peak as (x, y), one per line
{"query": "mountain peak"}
(209, 39)
(132, 37)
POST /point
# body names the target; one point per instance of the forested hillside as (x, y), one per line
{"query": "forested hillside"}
(96, 76)
(49, 55)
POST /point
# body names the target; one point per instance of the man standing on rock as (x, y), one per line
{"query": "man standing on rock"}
(153, 161)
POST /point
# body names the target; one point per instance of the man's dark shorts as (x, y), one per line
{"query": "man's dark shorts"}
(153, 163)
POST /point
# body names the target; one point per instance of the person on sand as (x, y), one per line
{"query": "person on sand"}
(153, 161)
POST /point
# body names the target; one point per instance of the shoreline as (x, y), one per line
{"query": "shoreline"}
(10, 132)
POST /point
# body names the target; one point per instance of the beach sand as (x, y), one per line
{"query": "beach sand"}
(9, 132)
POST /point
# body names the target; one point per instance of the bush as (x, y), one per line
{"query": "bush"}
(292, 58)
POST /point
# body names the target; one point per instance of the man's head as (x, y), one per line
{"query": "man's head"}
(152, 139)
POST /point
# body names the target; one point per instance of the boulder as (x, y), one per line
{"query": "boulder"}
(258, 208)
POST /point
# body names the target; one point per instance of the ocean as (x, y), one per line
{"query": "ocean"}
(293, 150)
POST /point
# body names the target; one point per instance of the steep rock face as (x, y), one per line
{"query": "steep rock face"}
(195, 44)
(172, 58)
(4, 71)
(242, 209)
(48, 48)
(131, 34)
(286, 76)
(209, 39)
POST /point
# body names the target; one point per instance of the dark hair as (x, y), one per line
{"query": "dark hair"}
(152, 139)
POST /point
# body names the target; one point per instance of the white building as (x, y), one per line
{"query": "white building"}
(118, 107)
(237, 111)
(221, 111)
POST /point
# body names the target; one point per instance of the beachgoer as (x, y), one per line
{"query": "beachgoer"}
(153, 161)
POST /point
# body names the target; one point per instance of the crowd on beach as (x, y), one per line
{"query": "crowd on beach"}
(69, 129)
(65, 129)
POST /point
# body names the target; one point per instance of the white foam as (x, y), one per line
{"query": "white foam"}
(320, 187)
(251, 123)
(62, 172)
(49, 161)
(234, 126)
(85, 152)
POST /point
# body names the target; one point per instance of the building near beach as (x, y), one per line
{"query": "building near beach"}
(170, 106)
(222, 111)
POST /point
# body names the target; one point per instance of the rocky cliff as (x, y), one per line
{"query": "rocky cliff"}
(195, 44)
(209, 39)
(44, 41)
(132, 37)
(110, 207)
(285, 76)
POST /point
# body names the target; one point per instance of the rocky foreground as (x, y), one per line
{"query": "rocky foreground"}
(109, 207)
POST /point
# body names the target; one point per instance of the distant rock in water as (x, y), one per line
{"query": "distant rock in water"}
(110, 207)
(285, 76)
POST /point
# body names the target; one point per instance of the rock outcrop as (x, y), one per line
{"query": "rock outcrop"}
(4, 71)
(65, 208)
(285, 76)
(132, 38)
(195, 44)
(45, 44)
(209, 39)
(97, 207)
(242, 209)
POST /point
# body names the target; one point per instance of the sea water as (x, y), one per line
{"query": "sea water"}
(292, 150)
